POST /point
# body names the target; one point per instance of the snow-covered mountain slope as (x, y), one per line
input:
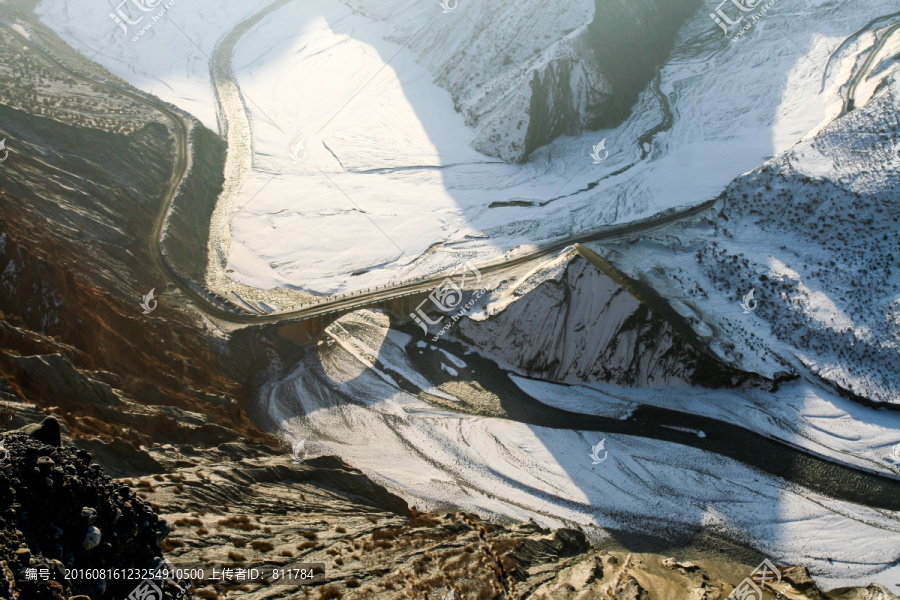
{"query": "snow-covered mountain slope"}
(570, 322)
(816, 233)
(170, 59)
(393, 163)
(432, 424)
(390, 183)
(544, 69)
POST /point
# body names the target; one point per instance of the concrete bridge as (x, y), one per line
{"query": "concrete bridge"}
(308, 330)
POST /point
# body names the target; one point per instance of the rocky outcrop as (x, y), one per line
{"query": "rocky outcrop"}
(814, 234)
(800, 581)
(524, 73)
(185, 237)
(571, 322)
(62, 512)
(59, 377)
(870, 592)
(616, 58)
(80, 193)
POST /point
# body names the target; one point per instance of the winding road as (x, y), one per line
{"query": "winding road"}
(857, 78)
(208, 303)
(850, 101)
(211, 305)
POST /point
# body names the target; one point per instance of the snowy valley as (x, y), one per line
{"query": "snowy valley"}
(681, 330)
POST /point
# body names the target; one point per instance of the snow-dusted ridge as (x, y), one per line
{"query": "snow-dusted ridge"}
(573, 322)
(351, 396)
(369, 126)
(816, 234)
(390, 180)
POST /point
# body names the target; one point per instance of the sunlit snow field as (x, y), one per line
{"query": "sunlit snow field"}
(346, 400)
(387, 171)
(388, 187)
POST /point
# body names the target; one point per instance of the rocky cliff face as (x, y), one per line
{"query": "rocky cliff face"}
(570, 322)
(81, 189)
(814, 234)
(62, 512)
(622, 47)
(154, 402)
(185, 237)
(525, 73)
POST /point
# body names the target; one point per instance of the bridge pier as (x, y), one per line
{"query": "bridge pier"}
(309, 330)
